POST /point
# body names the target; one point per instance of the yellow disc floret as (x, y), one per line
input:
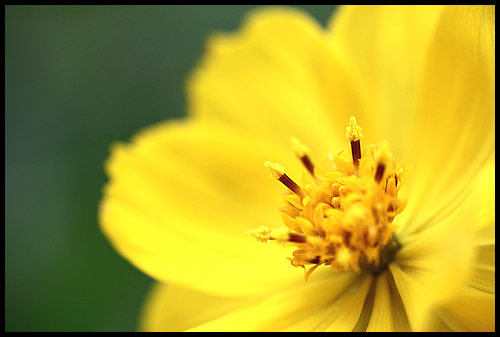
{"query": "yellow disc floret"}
(342, 214)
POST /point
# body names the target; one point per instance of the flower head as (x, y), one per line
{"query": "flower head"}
(383, 249)
(343, 215)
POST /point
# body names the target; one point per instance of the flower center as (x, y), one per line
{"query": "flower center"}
(342, 214)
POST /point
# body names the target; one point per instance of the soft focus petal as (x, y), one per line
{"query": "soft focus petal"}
(482, 205)
(482, 196)
(484, 266)
(472, 310)
(174, 308)
(431, 269)
(388, 312)
(456, 274)
(475, 203)
(277, 77)
(179, 201)
(451, 261)
(303, 307)
(455, 128)
(306, 307)
(386, 46)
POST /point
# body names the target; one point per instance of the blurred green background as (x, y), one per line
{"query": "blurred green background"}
(78, 78)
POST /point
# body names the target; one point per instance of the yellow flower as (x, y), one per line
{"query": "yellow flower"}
(182, 194)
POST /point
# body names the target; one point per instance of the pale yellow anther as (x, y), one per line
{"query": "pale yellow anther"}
(299, 149)
(353, 130)
(275, 169)
(262, 234)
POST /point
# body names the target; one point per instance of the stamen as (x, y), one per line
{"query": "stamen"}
(302, 152)
(353, 134)
(338, 218)
(379, 174)
(264, 234)
(384, 157)
(296, 237)
(353, 130)
(278, 172)
(356, 155)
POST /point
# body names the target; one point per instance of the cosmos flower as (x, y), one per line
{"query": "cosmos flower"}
(354, 240)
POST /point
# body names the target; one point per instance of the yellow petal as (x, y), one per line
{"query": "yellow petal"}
(330, 303)
(430, 269)
(472, 310)
(476, 203)
(483, 273)
(388, 312)
(386, 48)
(180, 198)
(326, 301)
(454, 130)
(458, 249)
(174, 308)
(479, 207)
(482, 195)
(277, 76)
